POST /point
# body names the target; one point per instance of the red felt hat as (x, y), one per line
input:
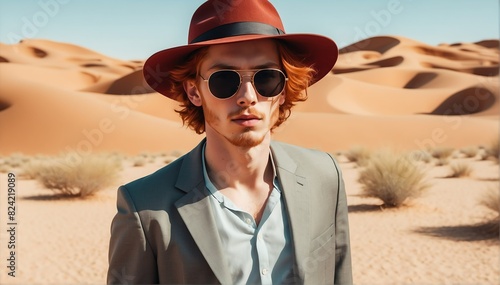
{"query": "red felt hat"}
(230, 21)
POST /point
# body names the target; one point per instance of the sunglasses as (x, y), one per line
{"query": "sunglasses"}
(268, 82)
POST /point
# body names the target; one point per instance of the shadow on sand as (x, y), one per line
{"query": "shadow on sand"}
(361, 208)
(53, 197)
(475, 232)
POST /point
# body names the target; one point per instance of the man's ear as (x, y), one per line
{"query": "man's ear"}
(192, 92)
(282, 98)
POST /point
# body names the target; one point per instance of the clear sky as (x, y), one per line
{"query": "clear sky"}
(134, 29)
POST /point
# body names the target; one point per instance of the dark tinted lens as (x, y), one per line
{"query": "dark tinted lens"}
(224, 83)
(269, 82)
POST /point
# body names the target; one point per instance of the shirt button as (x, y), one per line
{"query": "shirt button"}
(259, 236)
(264, 271)
(248, 221)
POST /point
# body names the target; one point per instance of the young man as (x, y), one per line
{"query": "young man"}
(239, 208)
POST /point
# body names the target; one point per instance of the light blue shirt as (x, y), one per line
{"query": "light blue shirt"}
(257, 254)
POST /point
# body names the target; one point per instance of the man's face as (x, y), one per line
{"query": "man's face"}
(246, 118)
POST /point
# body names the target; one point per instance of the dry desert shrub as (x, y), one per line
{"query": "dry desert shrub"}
(470, 151)
(176, 153)
(31, 169)
(358, 154)
(483, 155)
(78, 178)
(4, 168)
(118, 157)
(493, 150)
(16, 160)
(421, 155)
(138, 161)
(393, 178)
(442, 161)
(491, 200)
(441, 152)
(460, 169)
(161, 154)
(148, 157)
(169, 158)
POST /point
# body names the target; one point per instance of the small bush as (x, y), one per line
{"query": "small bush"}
(162, 154)
(494, 149)
(483, 155)
(358, 154)
(491, 200)
(460, 169)
(31, 170)
(393, 178)
(176, 153)
(4, 168)
(442, 161)
(139, 161)
(168, 159)
(80, 178)
(441, 152)
(16, 160)
(421, 155)
(470, 151)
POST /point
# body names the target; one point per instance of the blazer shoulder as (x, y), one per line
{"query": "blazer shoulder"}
(310, 162)
(302, 154)
(157, 188)
(161, 176)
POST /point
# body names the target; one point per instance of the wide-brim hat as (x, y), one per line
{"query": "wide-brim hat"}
(230, 21)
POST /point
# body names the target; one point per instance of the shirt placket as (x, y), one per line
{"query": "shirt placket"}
(261, 245)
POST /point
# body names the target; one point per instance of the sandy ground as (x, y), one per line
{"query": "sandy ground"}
(438, 239)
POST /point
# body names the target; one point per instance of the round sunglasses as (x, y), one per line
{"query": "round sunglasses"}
(268, 82)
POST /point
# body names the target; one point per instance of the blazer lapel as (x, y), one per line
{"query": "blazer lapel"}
(195, 210)
(297, 203)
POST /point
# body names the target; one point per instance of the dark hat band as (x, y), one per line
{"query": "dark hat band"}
(238, 29)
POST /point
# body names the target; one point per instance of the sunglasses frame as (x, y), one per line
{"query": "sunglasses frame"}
(238, 71)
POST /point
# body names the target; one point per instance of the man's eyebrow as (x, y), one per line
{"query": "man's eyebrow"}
(221, 66)
(270, 64)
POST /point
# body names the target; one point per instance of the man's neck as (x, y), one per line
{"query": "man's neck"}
(231, 166)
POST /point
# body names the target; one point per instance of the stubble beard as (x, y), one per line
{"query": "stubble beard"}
(245, 139)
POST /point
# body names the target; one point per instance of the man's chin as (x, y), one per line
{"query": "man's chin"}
(247, 140)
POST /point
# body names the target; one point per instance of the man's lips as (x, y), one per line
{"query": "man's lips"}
(246, 120)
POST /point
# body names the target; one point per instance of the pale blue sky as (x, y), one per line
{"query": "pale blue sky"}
(134, 29)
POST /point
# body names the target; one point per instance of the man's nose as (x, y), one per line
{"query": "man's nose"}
(247, 95)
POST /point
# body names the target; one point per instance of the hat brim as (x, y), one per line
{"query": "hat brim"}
(313, 50)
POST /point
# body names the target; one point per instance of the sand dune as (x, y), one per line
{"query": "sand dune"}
(63, 120)
(394, 89)
(341, 132)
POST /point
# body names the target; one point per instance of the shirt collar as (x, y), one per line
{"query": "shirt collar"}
(211, 187)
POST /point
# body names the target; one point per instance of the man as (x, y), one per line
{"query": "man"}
(239, 208)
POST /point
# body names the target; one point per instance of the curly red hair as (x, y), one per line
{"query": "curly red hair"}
(299, 78)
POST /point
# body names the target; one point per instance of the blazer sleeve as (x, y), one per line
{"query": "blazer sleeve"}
(343, 267)
(131, 258)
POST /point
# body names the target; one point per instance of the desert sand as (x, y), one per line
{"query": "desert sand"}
(384, 91)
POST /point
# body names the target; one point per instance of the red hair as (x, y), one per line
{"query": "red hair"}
(299, 78)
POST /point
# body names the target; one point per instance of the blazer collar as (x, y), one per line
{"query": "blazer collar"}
(296, 196)
(195, 208)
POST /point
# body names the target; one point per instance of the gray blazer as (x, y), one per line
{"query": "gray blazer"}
(164, 231)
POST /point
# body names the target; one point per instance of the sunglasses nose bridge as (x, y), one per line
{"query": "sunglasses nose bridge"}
(242, 77)
(250, 79)
(247, 92)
